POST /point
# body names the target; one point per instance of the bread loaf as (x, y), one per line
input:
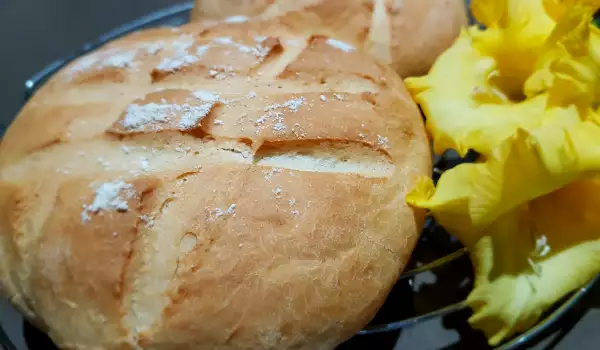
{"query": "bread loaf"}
(406, 34)
(238, 186)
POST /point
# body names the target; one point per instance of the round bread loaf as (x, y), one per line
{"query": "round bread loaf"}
(238, 186)
(407, 34)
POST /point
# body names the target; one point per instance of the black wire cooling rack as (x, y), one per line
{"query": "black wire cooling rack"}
(435, 285)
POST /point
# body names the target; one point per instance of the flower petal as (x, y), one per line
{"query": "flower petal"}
(464, 111)
(515, 44)
(450, 207)
(528, 165)
(557, 8)
(491, 13)
(527, 210)
(513, 286)
(472, 101)
(569, 69)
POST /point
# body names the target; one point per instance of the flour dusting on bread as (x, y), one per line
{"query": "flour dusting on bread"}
(340, 45)
(109, 196)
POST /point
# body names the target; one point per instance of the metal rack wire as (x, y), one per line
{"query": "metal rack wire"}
(447, 252)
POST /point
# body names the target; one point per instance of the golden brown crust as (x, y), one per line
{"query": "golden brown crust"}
(217, 10)
(232, 186)
(407, 34)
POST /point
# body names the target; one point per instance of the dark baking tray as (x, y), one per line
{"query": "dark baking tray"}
(437, 281)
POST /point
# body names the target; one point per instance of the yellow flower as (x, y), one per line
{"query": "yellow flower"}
(493, 81)
(557, 8)
(472, 95)
(569, 69)
(528, 215)
(523, 93)
(520, 273)
(515, 37)
(465, 111)
(528, 165)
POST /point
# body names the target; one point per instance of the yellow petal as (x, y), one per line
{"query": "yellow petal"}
(465, 110)
(554, 8)
(472, 95)
(491, 13)
(516, 43)
(456, 98)
(594, 45)
(557, 8)
(449, 207)
(528, 165)
(513, 286)
(566, 40)
(539, 183)
(575, 82)
(507, 13)
(568, 69)
(524, 94)
(463, 123)
(593, 117)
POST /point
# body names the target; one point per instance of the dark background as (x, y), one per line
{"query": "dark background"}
(33, 33)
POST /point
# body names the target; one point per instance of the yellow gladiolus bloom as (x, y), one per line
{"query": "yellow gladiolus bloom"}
(528, 215)
(520, 273)
(523, 93)
(514, 38)
(465, 111)
(473, 101)
(569, 69)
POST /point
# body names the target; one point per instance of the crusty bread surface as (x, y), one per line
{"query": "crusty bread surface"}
(407, 34)
(232, 186)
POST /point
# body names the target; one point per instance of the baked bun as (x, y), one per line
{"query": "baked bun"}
(232, 187)
(407, 34)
